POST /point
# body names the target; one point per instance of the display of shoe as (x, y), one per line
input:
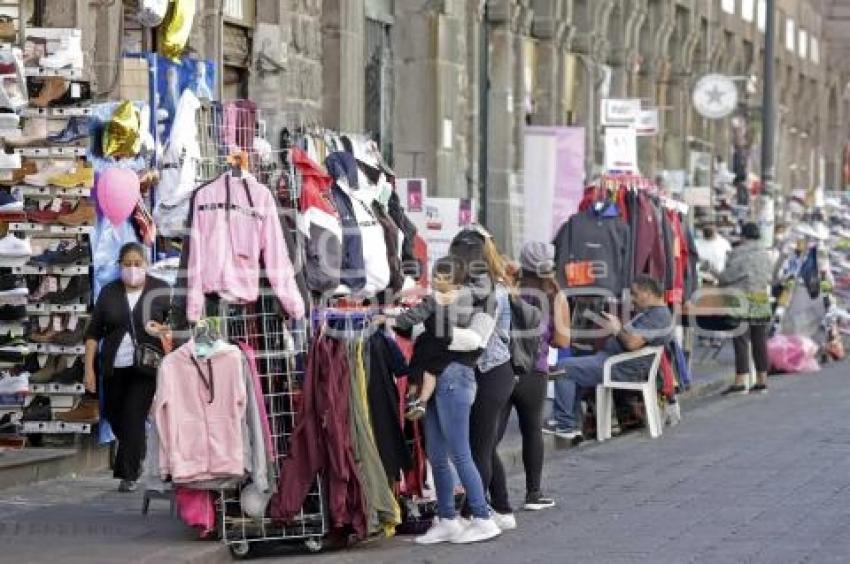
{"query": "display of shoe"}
(78, 287)
(7, 426)
(34, 133)
(69, 54)
(77, 94)
(11, 385)
(81, 176)
(64, 255)
(34, 49)
(83, 214)
(12, 96)
(53, 88)
(70, 338)
(76, 130)
(14, 247)
(87, 411)
(45, 374)
(8, 33)
(38, 410)
(9, 121)
(71, 375)
(48, 284)
(48, 215)
(9, 203)
(28, 166)
(41, 177)
(9, 161)
(11, 283)
(43, 335)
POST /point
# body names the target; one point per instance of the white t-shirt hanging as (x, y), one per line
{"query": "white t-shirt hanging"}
(126, 350)
(375, 259)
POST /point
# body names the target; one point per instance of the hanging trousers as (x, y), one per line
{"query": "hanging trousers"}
(127, 400)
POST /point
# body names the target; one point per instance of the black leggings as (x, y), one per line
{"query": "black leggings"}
(491, 399)
(528, 397)
(757, 334)
(127, 400)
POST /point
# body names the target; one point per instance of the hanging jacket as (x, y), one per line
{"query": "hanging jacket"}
(649, 252)
(209, 427)
(386, 364)
(320, 224)
(321, 443)
(392, 238)
(591, 250)
(411, 265)
(375, 261)
(668, 240)
(353, 270)
(234, 225)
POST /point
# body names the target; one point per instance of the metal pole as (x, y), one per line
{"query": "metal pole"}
(768, 110)
(483, 113)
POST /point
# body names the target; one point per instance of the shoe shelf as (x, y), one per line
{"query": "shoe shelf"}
(49, 348)
(57, 389)
(48, 309)
(52, 192)
(13, 328)
(52, 152)
(70, 74)
(51, 230)
(54, 427)
(57, 113)
(71, 270)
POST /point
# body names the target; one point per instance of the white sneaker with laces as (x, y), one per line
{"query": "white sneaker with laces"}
(479, 530)
(11, 246)
(443, 530)
(505, 521)
(69, 54)
(10, 385)
(9, 161)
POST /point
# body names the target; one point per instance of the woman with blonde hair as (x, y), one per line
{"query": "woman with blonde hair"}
(492, 284)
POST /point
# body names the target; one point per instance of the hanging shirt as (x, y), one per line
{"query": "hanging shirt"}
(714, 251)
(126, 350)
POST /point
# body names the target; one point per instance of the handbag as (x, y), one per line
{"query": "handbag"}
(146, 357)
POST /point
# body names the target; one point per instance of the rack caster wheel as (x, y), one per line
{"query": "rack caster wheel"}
(240, 550)
(313, 545)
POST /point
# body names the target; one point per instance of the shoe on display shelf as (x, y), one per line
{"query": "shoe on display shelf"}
(46, 374)
(70, 337)
(64, 255)
(74, 374)
(42, 336)
(14, 247)
(69, 54)
(87, 411)
(48, 285)
(82, 215)
(34, 133)
(8, 33)
(16, 177)
(75, 131)
(77, 95)
(38, 410)
(9, 161)
(7, 425)
(12, 284)
(9, 203)
(81, 176)
(78, 287)
(12, 96)
(40, 178)
(52, 89)
(48, 215)
(12, 385)
(9, 121)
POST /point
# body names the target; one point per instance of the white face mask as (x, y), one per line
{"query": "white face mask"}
(385, 190)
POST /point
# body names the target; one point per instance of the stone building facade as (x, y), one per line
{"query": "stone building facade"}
(415, 74)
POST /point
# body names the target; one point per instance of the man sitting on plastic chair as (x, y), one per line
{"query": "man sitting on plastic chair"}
(651, 326)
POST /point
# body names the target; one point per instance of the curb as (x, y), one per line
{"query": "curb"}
(511, 451)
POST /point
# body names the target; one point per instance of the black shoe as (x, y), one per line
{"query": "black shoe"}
(537, 501)
(80, 253)
(7, 426)
(70, 338)
(74, 374)
(759, 389)
(78, 287)
(12, 312)
(83, 89)
(38, 410)
(734, 390)
(10, 282)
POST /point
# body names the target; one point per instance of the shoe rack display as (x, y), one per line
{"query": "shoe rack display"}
(45, 255)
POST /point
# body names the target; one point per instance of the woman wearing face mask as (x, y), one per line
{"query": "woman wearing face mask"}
(128, 388)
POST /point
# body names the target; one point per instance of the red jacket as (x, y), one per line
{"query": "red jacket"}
(649, 255)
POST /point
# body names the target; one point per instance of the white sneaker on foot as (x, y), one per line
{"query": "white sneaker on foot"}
(443, 530)
(479, 530)
(505, 521)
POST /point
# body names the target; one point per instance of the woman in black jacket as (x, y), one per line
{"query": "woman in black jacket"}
(128, 389)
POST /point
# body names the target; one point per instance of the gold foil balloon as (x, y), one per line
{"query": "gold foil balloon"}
(121, 138)
(174, 31)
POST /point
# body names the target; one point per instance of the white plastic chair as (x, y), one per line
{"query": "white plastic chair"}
(605, 392)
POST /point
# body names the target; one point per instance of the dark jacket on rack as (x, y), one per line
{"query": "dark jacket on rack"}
(321, 443)
(649, 251)
(391, 238)
(411, 264)
(668, 238)
(591, 249)
(110, 319)
(386, 364)
(353, 270)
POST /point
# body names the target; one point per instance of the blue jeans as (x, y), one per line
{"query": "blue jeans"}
(447, 435)
(582, 372)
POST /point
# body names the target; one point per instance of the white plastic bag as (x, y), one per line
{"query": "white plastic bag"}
(152, 12)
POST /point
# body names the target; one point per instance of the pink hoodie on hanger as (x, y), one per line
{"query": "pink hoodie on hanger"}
(234, 224)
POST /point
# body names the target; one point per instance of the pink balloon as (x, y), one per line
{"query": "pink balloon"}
(117, 194)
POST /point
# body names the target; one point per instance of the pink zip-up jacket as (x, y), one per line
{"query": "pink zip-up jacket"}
(201, 425)
(230, 232)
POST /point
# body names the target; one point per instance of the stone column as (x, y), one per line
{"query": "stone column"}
(552, 30)
(343, 64)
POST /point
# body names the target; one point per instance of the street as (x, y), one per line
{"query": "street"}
(741, 479)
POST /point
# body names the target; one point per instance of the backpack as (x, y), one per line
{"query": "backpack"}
(525, 335)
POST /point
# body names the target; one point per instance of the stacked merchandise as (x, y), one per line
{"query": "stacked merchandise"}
(623, 229)
(48, 214)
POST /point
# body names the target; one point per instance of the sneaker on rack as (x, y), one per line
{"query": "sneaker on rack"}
(78, 287)
(12, 312)
(81, 176)
(47, 215)
(14, 247)
(8, 33)
(9, 203)
(74, 374)
(70, 337)
(86, 411)
(38, 410)
(9, 161)
(34, 133)
(11, 284)
(80, 253)
(48, 285)
(69, 54)
(12, 385)
(76, 130)
(78, 94)
(12, 96)
(41, 177)
(83, 214)
(43, 335)
(52, 89)
(46, 373)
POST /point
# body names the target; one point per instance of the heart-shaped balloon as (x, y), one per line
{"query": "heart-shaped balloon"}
(117, 194)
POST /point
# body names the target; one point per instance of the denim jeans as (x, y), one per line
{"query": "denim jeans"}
(582, 372)
(447, 436)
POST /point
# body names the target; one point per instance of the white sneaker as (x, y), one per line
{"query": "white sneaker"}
(40, 178)
(443, 530)
(479, 530)
(9, 161)
(11, 246)
(10, 385)
(9, 121)
(505, 521)
(69, 54)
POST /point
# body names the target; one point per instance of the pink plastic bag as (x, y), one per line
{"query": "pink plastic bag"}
(196, 508)
(792, 354)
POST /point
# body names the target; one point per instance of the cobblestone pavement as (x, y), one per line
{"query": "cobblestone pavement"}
(743, 479)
